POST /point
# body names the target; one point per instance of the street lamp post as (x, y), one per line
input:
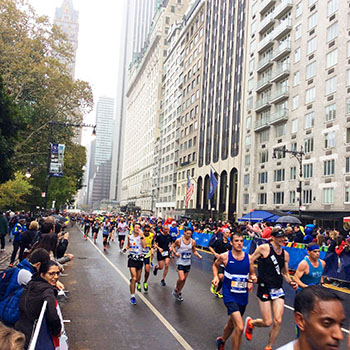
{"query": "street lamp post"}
(299, 157)
(51, 123)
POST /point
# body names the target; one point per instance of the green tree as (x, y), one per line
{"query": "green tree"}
(13, 192)
(10, 124)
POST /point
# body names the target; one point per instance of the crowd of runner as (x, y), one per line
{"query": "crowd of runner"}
(151, 243)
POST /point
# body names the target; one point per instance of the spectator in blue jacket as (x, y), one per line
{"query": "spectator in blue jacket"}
(17, 237)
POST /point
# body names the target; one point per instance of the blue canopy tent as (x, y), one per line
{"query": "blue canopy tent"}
(259, 216)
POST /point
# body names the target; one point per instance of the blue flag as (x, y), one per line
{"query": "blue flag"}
(213, 183)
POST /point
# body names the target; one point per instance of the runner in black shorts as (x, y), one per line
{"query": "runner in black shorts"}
(162, 243)
(272, 268)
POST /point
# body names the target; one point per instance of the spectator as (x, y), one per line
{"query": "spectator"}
(4, 230)
(341, 243)
(266, 233)
(41, 288)
(11, 339)
(298, 235)
(17, 231)
(27, 239)
(332, 241)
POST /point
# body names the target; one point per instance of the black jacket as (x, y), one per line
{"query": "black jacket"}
(27, 238)
(35, 293)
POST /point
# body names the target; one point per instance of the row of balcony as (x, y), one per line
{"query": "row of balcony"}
(281, 51)
(279, 95)
(279, 11)
(272, 119)
(280, 73)
(284, 28)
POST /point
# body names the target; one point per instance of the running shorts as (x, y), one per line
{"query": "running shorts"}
(135, 263)
(232, 307)
(121, 238)
(184, 268)
(162, 256)
(266, 294)
(147, 261)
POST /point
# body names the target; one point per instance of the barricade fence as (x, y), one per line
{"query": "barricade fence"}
(337, 267)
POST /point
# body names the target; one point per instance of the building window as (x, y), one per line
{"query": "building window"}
(263, 156)
(245, 198)
(280, 130)
(247, 160)
(297, 54)
(308, 169)
(297, 32)
(347, 164)
(262, 198)
(309, 145)
(312, 21)
(293, 173)
(296, 78)
(310, 70)
(332, 7)
(329, 139)
(347, 106)
(332, 58)
(332, 31)
(311, 45)
(331, 112)
(295, 103)
(328, 195)
(307, 196)
(294, 126)
(331, 85)
(278, 175)
(264, 136)
(310, 95)
(248, 140)
(246, 179)
(347, 139)
(309, 120)
(278, 197)
(347, 195)
(328, 167)
(298, 9)
(292, 196)
(262, 178)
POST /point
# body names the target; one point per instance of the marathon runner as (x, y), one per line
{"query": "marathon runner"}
(239, 272)
(220, 246)
(95, 228)
(148, 255)
(174, 231)
(310, 270)
(136, 244)
(105, 233)
(183, 248)
(272, 267)
(162, 243)
(122, 228)
(87, 224)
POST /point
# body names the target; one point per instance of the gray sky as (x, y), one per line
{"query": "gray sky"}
(99, 40)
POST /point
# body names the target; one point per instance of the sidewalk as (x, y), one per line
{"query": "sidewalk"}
(6, 255)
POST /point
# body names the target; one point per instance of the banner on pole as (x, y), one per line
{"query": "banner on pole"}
(57, 160)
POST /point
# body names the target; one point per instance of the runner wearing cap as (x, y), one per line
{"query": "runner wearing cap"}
(272, 268)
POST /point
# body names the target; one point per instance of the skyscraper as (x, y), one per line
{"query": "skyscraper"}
(68, 20)
(103, 149)
(138, 19)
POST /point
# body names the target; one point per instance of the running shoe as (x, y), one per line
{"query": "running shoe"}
(95, 241)
(219, 295)
(162, 283)
(248, 328)
(268, 348)
(104, 248)
(155, 271)
(133, 301)
(212, 289)
(175, 293)
(220, 344)
(10, 265)
(179, 297)
(138, 286)
(145, 287)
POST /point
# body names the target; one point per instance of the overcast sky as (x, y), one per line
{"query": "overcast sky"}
(99, 40)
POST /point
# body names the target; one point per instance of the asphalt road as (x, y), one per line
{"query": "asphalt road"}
(101, 316)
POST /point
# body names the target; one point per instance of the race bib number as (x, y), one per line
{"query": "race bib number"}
(276, 293)
(146, 250)
(136, 257)
(238, 286)
(165, 253)
(186, 256)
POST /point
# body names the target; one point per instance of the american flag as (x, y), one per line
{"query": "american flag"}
(189, 190)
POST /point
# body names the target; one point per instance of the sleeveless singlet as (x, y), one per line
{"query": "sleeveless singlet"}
(147, 249)
(185, 252)
(269, 269)
(135, 248)
(235, 284)
(314, 275)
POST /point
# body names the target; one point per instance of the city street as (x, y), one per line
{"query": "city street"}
(102, 318)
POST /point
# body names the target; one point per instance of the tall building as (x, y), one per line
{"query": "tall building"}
(221, 112)
(143, 110)
(101, 163)
(192, 42)
(138, 19)
(68, 20)
(297, 97)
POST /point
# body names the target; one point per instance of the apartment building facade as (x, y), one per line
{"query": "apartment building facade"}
(297, 96)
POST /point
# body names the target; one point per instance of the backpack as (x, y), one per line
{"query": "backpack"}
(5, 280)
(9, 307)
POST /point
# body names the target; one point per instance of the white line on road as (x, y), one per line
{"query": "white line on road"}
(161, 318)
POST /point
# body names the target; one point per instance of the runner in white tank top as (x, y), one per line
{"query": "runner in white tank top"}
(183, 248)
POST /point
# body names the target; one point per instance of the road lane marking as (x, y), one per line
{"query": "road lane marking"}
(161, 318)
(171, 329)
